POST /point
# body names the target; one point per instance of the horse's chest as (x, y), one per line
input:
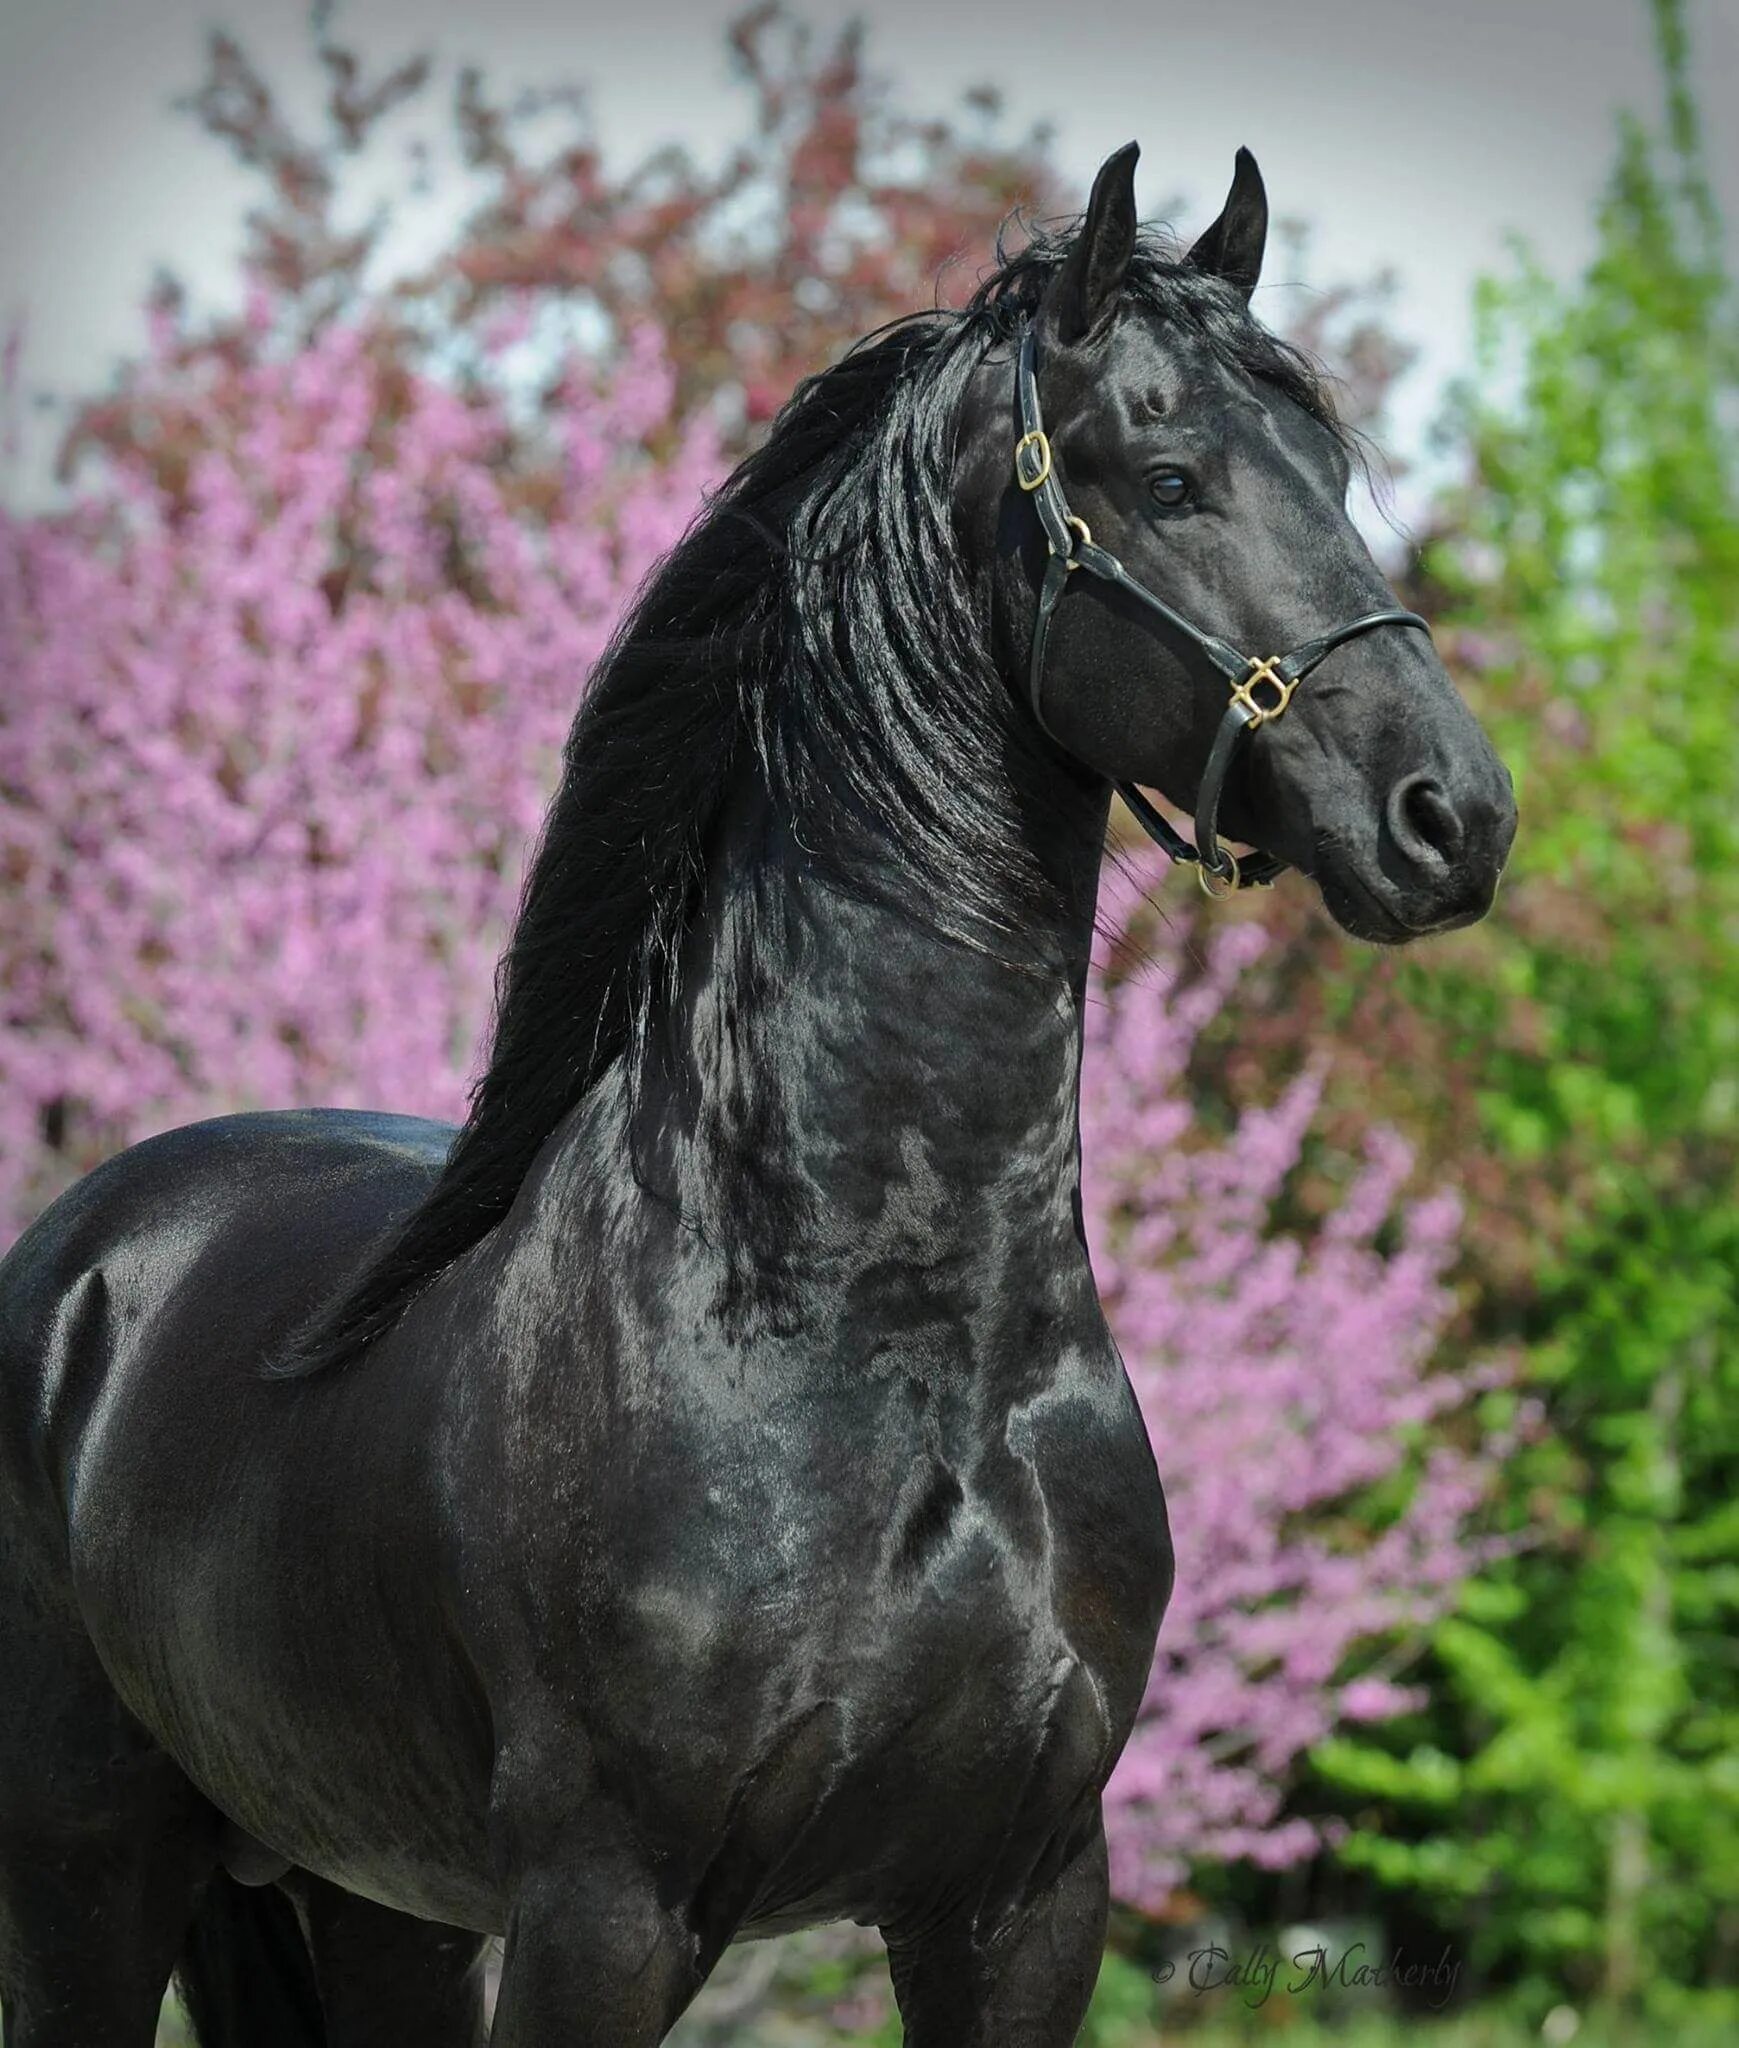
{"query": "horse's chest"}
(955, 1727)
(912, 1677)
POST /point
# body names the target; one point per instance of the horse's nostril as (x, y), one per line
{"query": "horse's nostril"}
(1424, 822)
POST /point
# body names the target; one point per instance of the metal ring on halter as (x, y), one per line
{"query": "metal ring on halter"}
(1083, 529)
(1207, 876)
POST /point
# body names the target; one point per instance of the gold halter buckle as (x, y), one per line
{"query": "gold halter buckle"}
(1243, 691)
(1027, 477)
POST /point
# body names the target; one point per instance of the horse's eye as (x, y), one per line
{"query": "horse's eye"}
(1170, 489)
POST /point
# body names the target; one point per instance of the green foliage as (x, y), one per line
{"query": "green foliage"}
(1493, 2027)
(1575, 1798)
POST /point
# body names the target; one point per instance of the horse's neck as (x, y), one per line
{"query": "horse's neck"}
(841, 1091)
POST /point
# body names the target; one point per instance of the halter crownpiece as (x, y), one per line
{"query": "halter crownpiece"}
(1262, 687)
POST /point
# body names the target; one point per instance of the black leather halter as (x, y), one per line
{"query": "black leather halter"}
(1261, 689)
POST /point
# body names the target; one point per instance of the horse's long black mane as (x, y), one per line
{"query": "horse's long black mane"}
(816, 627)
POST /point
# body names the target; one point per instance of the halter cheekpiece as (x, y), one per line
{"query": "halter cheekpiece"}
(1262, 687)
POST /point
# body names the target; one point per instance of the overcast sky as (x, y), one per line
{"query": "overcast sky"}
(1411, 133)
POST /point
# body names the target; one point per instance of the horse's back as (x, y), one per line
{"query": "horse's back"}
(233, 1228)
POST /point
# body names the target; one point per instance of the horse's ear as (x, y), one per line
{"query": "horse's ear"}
(1232, 247)
(1087, 287)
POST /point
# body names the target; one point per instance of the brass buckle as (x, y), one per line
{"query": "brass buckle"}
(1029, 479)
(1243, 691)
(1207, 876)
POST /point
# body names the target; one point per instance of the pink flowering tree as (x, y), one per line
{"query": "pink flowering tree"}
(278, 727)
(1284, 1371)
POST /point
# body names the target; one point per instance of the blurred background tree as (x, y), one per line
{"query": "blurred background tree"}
(284, 702)
(1573, 1800)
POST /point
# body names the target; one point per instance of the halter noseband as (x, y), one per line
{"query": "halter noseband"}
(1261, 689)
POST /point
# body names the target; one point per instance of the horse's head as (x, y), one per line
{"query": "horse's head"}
(1204, 500)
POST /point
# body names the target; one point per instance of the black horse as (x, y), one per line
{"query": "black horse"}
(701, 1497)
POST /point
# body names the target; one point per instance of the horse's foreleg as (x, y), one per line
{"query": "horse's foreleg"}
(594, 1959)
(1027, 1988)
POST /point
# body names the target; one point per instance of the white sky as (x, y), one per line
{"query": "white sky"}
(1408, 133)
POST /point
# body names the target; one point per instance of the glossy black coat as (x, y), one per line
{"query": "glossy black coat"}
(754, 1525)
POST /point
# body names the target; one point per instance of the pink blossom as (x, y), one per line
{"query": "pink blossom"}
(268, 773)
(1282, 1373)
